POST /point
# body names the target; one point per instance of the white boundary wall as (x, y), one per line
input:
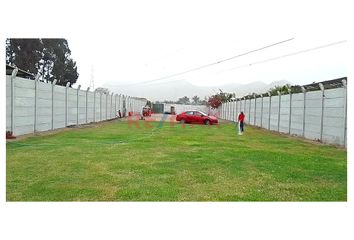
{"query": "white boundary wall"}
(316, 115)
(33, 106)
(179, 108)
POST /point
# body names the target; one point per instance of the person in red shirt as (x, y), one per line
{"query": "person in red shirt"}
(241, 119)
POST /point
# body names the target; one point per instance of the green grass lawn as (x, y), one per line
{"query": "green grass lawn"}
(114, 162)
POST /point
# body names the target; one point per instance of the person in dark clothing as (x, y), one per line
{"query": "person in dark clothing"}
(241, 119)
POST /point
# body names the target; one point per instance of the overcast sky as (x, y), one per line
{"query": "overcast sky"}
(138, 41)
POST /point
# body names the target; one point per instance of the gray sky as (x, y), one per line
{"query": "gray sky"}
(138, 41)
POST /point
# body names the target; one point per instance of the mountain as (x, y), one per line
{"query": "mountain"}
(253, 87)
(177, 89)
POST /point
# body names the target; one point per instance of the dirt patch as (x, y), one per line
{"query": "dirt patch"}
(58, 130)
(161, 117)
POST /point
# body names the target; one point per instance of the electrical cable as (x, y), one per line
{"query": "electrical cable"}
(206, 65)
(267, 60)
(286, 55)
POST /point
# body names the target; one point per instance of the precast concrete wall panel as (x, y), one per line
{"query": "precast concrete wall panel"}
(82, 106)
(59, 107)
(8, 103)
(72, 110)
(334, 116)
(265, 117)
(258, 114)
(97, 107)
(251, 114)
(313, 115)
(23, 106)
(297, 115)
(246, 104)
(284, 114)
(274, 110)
(90, 107)
(44, 106)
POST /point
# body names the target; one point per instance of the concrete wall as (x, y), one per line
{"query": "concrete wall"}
(8, 103)
(308, 114)
(23, 108)
(36, 106)
(179, 108)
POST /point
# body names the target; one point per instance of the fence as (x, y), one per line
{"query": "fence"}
(33, 106)
(317, 115)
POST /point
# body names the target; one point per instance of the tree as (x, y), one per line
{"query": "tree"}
(57, 62)
(49, 57)
(225, 97)
(196, 99)
(183, 100)
(102, 90)
(169, 101)
(214, 101)
(204, 102)
(281, 89)
(24, 53)
(148, 103)
(217, 99)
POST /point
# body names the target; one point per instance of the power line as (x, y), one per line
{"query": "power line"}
(210, 64)
(286, 55)
(266, 60)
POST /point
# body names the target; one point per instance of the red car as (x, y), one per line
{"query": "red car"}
(196, 117)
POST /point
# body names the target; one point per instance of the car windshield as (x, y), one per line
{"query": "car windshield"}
(203, 113)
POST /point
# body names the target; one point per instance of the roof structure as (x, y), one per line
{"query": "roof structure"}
(20, 73)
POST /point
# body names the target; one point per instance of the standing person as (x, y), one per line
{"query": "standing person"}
(241, 119)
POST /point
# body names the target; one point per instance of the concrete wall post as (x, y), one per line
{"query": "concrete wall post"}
(115, 105)
(255, 109)
(270, 108)
(86, 104)
(94, 105)
(262, 111)
(53, 84)
(249, 111)
(119, 103)
(322, 109)
(66, 103)
(106, 104)
(77, 104)
(111, 107)
(13, 77)
(36, 80)
(290, 108)
(236, 110)
(279, 94)
(100, 106)
(244, 105)
(240, 107)
(304, 112)
(345, 111)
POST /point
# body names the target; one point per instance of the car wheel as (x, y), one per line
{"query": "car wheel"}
(183, 121)
(207, 122)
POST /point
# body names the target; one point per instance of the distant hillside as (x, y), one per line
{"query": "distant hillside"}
(177, 89)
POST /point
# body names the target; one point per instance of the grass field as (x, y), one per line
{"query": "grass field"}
(113, 162)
